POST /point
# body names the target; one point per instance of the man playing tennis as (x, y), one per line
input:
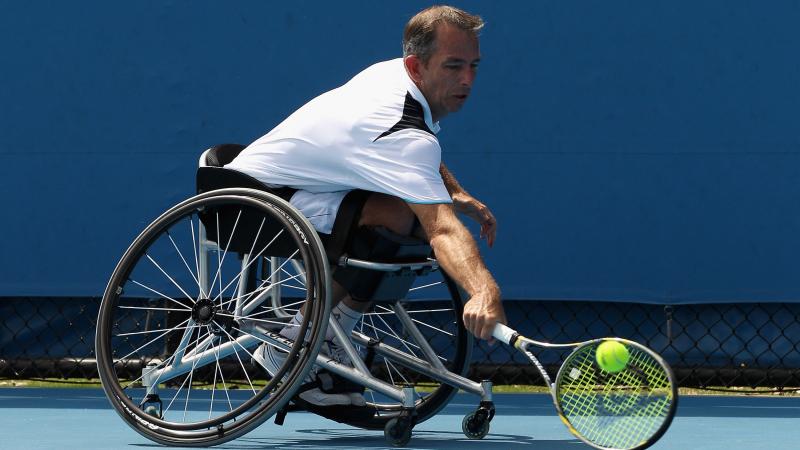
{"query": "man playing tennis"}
(376, 133)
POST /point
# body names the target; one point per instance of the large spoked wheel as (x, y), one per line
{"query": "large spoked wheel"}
(441, 324)
(191, 302)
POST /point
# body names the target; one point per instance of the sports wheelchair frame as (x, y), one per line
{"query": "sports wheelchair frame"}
(220, 274)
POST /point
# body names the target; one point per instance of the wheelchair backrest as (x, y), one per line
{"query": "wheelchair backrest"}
(235, 227)
(219, 155)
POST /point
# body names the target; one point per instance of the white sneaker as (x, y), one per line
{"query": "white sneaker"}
(337, 353)
(271, 359)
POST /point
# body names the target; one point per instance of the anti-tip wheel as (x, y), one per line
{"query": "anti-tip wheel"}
(475, 426)
(398, 431)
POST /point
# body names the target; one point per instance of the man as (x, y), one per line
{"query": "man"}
(377, 133)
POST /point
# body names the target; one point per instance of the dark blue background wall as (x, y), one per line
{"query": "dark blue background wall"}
(643, 151)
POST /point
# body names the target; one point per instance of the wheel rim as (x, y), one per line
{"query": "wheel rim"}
(157, 311)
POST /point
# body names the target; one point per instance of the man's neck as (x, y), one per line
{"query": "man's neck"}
(435, 115)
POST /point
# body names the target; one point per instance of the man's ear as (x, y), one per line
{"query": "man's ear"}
(414, 67)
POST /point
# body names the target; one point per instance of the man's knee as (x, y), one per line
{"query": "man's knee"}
(389, 212)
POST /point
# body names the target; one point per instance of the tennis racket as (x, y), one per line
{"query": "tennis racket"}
(625, 410)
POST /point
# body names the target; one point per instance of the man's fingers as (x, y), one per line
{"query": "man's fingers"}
(478, 326)
(487, 331)
(467, 321)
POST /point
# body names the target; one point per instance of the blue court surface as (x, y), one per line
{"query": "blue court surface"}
(82, 418)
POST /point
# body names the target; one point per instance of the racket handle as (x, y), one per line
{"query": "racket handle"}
(505, 334)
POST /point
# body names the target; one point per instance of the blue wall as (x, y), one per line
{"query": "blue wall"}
(642, 151)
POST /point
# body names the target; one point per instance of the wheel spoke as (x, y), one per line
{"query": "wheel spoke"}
(134, 333)
(257, 290)
(155, 339)
(252, 260)
(394, 334)
(236, 352)
(180, 254)
(221, 258)
(189, 297)
(159, 293)
(152, 308)
(433, 327)
(424, 286)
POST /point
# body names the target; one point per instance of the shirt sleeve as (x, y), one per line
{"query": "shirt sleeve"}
(404, 164)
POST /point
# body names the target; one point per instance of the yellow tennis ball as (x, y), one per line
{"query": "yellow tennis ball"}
(612, 356)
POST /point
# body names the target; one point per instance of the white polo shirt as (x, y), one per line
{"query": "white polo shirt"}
(374, 133)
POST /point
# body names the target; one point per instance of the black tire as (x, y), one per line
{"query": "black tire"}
(475, 426)
(455, 350)
(398, 431)
(154, 311)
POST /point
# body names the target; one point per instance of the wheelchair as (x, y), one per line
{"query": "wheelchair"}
(221, 273)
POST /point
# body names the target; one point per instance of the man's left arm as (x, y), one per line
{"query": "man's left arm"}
(469, 205)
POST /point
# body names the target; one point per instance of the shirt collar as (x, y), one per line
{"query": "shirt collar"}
(417, 94)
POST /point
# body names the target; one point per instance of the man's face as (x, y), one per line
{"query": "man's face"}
(446, 79)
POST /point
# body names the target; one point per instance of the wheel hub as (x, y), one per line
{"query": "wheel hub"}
(203, 311)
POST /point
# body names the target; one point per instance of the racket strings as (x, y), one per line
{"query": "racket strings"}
(614, 410)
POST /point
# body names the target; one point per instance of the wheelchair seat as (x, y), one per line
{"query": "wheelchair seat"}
(211, 175)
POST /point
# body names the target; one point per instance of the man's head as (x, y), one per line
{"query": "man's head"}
(441, 52)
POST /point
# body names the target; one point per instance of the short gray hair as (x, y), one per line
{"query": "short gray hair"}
(419, 36)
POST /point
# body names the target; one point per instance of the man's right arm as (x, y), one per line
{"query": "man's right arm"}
(458, 254)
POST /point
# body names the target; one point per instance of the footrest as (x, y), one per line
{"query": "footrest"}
(343, 414)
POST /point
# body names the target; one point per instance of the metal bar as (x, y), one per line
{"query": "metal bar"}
(366, 380)
(244, 277)
(423, 344)
(419, 365)
(202, 249)
(181, 349)
(275, 289)
(345, 261)
(347, 344)
(199, 360)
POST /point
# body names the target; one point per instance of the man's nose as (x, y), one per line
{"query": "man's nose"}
(468, 77)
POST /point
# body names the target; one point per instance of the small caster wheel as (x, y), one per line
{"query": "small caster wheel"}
(398, 431)
(152, 406)
(152, 410)
(475, 425)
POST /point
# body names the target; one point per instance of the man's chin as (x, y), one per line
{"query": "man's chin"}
(456, 106)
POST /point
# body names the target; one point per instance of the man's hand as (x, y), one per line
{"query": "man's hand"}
(482, 312)
(477, 211)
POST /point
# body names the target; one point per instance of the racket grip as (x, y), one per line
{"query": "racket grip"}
(504, 334)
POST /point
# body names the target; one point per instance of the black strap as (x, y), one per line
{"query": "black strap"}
(346, 222)
(331, 383)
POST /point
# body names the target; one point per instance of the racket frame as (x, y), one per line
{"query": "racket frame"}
(523, 344)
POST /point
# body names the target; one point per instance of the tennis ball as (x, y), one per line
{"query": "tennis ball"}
(612, 356)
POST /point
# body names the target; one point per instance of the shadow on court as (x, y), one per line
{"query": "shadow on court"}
(742, 407)
(422, 439)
